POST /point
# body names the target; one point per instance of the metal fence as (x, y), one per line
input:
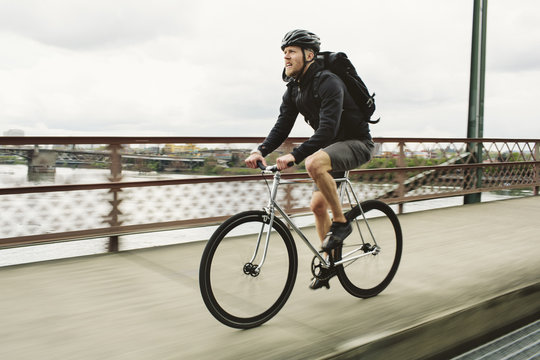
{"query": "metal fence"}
(402, 170)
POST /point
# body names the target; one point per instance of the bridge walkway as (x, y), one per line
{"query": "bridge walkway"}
(466, 273)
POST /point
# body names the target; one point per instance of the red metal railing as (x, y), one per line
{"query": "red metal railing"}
(402, 170)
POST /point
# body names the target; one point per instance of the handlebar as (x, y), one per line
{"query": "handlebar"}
(271, 168)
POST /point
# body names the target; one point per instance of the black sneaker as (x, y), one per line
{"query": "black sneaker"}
(326, 275)
(338, 232)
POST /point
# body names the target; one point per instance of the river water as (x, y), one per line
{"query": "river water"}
(16, 175)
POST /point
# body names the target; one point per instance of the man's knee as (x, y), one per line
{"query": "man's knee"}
(318, 163)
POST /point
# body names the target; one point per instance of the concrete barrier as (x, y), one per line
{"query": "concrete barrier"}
(453, 333)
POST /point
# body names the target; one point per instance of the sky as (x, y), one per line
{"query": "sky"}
(213, 68)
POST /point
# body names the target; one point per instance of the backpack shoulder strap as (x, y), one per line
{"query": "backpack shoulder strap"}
(322, 59)
(316, 83)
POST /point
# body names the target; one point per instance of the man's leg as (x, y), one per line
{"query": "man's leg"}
(319, 206)
(318, 166)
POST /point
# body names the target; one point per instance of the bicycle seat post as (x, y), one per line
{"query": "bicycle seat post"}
(342, 188)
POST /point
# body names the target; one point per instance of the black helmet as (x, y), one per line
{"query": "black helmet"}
(303, 39)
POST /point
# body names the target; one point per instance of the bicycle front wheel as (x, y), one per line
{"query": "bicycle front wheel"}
(374, 249)
(240, 286)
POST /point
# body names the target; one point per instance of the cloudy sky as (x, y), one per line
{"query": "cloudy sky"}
(213, 68)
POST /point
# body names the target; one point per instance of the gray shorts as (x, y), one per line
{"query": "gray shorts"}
(347, 155)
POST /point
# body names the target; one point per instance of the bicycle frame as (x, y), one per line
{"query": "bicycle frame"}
(273, 206)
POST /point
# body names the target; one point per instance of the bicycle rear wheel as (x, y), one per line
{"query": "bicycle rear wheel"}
(237, 293)
(380, 237)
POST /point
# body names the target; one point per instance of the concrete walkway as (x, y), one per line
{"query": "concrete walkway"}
(465, 271)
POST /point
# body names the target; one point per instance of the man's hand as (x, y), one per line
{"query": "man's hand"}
(252, 159)
(282, 162)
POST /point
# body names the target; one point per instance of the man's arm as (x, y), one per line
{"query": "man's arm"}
(283, 126)
(281, 130)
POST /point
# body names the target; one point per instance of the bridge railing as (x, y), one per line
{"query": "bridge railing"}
(402, 170)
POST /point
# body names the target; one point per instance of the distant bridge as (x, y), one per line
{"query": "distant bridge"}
(45, 160)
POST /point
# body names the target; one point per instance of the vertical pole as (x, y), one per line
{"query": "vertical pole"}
(475, 126)
(473, 85)
(482, 75)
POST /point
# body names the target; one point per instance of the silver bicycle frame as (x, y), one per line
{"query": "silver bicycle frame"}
(346, 190)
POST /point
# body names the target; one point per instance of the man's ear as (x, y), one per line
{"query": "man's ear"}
(310, 55)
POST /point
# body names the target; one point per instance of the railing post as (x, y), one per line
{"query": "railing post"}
(116, 176)
(537, 168)
(287, 147)
(401, 176)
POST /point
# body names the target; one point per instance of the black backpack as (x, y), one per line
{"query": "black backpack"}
(339, 64)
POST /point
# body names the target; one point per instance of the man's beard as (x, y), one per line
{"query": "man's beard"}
(293, 74)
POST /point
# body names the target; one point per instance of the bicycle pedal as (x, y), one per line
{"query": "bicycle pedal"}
(318, 283)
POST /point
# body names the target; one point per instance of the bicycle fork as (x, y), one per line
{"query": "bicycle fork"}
(250, 268)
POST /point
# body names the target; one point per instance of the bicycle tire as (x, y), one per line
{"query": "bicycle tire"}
(232, 296)
(368, 276)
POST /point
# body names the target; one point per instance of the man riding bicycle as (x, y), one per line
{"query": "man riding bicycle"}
(341, 140)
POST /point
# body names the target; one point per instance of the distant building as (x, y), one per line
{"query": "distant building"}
(14, 132)
(175, 148)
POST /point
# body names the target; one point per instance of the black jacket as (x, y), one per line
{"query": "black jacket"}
(333, 115)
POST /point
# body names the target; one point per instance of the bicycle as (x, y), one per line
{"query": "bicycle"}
(247, 273)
